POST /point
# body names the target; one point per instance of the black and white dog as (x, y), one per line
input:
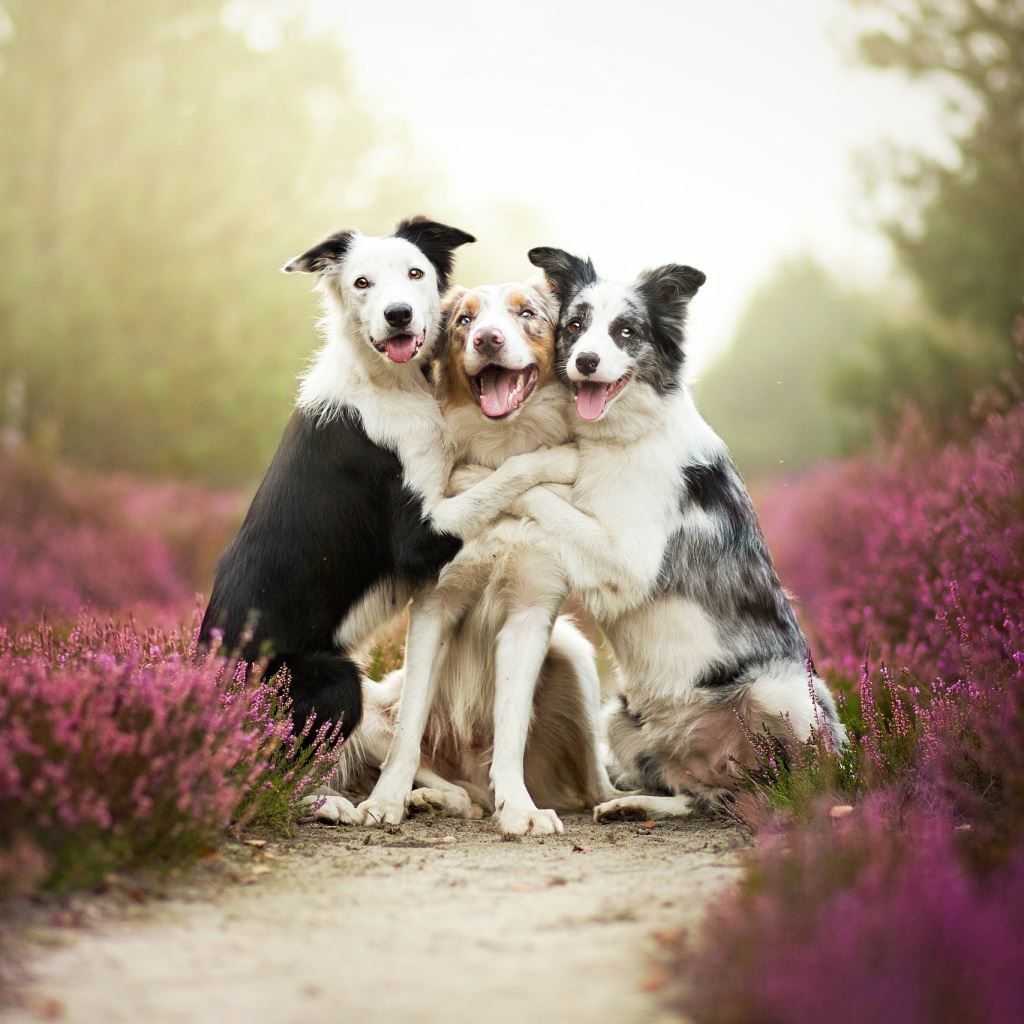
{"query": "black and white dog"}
(659, 538)
(351, 519)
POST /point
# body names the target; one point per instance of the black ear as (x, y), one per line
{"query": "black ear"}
(567, 273)
(436, 241)
(323, 256)
(670, 286)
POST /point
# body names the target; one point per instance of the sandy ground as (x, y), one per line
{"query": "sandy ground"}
(435, 921)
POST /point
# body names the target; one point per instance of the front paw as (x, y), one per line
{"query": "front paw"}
(333, 809)
(445, 803)
(520, 821)
(381, 811)
(558, 465)
(467, 476)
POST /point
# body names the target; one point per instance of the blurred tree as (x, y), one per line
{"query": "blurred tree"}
(960, 226)
(159, 162)
(784, 349)
(961, 230)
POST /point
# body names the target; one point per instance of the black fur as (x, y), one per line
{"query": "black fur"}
(437, 242)
(323, 256)
(729, 572)
(655, 313)
(568, 274)
(331, 519)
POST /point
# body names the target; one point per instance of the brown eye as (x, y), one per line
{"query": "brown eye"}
(526, 314)
(626, 332)
(415, 273)
(574, 326)
(362, 283)
(465, 319)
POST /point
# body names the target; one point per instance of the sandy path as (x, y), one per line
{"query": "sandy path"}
(438, 921)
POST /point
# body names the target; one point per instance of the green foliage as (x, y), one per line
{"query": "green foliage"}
(959, 229)
(155, 172)
(768, 394)
(938, 368)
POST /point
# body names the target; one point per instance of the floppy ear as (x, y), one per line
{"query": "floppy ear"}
(667, 291)
(671, 285)
(323, 256)
(436, 241)
(567, 273)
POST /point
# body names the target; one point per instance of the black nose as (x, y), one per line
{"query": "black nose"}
(398, 315)
(586, 362)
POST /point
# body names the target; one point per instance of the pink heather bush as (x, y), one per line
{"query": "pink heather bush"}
(70, 540)
(873, 917)
(908, 557)
(911, 907)
(117, 749)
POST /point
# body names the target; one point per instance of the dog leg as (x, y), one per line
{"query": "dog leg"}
(644, 807)
(595, 556)
(522, 645)
(468, 513)
(425, 645)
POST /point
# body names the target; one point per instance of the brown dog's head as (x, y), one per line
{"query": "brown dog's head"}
(501, 346)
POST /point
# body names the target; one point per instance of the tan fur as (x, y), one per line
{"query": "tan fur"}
(507, 578)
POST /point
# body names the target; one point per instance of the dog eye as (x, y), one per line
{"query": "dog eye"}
(626, 332)
(362, 283)
(527, 313)
(575, 326)
(415, 273)
(465, 319)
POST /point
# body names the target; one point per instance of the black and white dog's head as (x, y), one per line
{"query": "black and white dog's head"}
(614, 337)
(386, 291)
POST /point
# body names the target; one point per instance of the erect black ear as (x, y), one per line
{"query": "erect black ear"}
(436, 241)
(671, 285)
(567, 273)
(323, 256)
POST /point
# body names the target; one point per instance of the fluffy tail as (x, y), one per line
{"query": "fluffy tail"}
(791, 701)
(326, 687)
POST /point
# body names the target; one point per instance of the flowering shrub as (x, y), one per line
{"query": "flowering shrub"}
(889, 882)
(118, 749)
(918, 559)
(70, 540)
(864, 918)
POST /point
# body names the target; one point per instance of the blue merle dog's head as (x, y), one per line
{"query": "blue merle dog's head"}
(613, 336)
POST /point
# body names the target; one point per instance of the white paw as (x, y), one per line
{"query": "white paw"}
(333, 809)
(559, 465)
(643, 807)
(521, 821)
(381, 811)
(447, 804)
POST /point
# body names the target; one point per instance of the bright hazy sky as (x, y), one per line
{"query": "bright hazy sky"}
(720, 134)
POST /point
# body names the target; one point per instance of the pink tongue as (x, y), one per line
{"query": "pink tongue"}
(591, 400)
(401, 349)
(495, 387)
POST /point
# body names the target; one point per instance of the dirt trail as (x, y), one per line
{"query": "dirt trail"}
(438, 921)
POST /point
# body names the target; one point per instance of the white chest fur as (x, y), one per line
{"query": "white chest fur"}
(633, 486)
(397, 408)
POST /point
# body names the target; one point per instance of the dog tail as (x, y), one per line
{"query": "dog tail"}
(792, 702)
(325, 686)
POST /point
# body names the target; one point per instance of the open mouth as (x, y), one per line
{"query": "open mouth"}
(400, 348)
(501, 390)
(593, 396)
